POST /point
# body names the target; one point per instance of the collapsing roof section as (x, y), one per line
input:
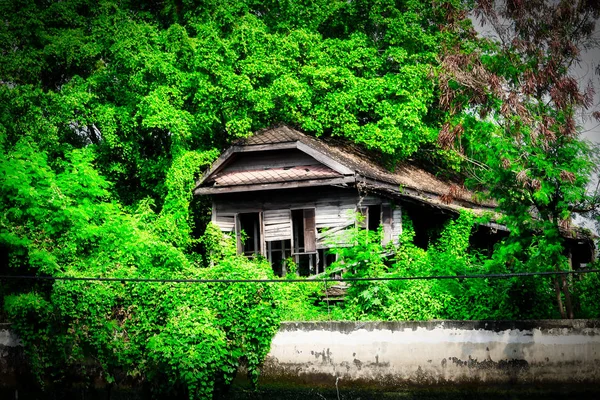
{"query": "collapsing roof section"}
(284, 158)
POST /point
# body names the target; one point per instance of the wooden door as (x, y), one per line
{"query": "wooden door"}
(310, 231)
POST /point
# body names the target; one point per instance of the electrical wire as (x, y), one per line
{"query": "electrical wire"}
(327, 279)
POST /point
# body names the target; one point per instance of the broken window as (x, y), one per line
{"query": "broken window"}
(427, 223)
(363, 220)
(374, 217)
(307, 264)
(314, 263)
(371, 217)
(277, 225)
(305, 241)
(248, 234)
(325, 259)
(278, 252)
(304, 231)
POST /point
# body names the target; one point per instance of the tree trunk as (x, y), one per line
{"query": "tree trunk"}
(568, 304)
(558, 298)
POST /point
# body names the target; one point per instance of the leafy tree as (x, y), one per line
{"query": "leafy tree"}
(109, 110)
(186, 338)
(513, 103)
(144, 82)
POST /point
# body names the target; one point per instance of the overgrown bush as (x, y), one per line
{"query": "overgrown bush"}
(449, 255)
(179, 338)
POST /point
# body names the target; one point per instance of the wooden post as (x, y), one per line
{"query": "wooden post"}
(386, 221)
(310, 236)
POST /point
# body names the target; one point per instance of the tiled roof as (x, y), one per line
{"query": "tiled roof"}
(272, 175)
(363, 163)
(282, 134)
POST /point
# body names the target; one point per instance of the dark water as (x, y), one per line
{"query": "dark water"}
(421, 394)
(446, 393)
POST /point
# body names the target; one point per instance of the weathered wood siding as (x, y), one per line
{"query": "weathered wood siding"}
(396, 224)
(335, 209)
(269, 159)
(334, 215)
(225, 221)
(278, 224)
(386, 221)
(310, 231)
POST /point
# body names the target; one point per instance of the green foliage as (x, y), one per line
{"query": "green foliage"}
(585, 290)
(362, 258)
(448, 255)
(146, 83)
(109, 110)
(181, 338)
(58, 219)
(513, 103)
(174, 221)
(418, 300)
(217, 245)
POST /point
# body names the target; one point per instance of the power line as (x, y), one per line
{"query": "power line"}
(283, 280)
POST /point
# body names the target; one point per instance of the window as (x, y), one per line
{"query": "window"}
(305, 241)
(371, 217)
(307, 264)
(304, 231)
(374, 217)
(277, 253)
(325, 259)
(248, 234)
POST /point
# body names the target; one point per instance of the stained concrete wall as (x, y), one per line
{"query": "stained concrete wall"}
(379, 355)
(396, 354)
(12, 361)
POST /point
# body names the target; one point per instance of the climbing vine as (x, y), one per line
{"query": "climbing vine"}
(109, 111)
(449, 253)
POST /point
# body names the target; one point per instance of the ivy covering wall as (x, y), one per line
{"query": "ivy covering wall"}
(109, 111)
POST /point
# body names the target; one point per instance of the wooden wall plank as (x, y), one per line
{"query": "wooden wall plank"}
(279, 159)
(396, 224)
(225, 222)
(386, 221)
(334, 209)
(277, 224)
(310, 231)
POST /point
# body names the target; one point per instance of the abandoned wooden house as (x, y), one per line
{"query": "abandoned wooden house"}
(291, 195)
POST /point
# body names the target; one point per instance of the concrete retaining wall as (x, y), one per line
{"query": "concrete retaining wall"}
(388, 355)
(396, 354)
(12, 362)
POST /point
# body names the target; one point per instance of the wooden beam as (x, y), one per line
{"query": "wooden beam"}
(273, 186)
(433, 199)
(219, 164)
(330, 232)
(265, 147)
(225, 158)
(386, 221)
(496, 226)
(328, 161)
(261, 222)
